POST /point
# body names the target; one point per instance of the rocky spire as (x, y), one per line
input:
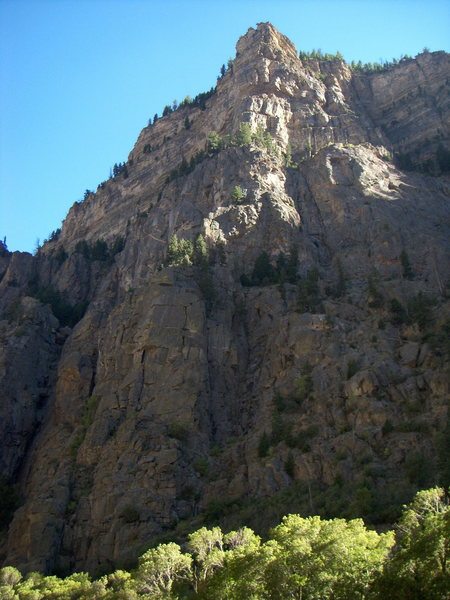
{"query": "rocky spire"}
(267, 41)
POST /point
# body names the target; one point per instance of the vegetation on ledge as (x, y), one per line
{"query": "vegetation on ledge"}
(359, 66)
(244, 137)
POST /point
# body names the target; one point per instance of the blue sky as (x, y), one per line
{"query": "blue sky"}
(79, 79)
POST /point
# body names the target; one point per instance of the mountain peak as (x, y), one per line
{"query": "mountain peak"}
(266, 40)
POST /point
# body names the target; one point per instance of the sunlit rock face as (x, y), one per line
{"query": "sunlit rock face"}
(138, 392)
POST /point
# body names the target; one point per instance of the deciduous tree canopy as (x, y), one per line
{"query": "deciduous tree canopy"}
(304, 559)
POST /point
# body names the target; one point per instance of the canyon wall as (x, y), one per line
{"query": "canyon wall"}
(307, 346)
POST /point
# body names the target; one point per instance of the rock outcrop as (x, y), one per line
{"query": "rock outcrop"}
(305, 346)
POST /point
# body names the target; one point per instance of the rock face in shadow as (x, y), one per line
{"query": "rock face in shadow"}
(308, 347)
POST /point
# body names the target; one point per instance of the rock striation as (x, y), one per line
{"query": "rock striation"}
(307, 349)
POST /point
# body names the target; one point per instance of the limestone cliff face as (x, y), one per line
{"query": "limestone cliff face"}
(155, 403)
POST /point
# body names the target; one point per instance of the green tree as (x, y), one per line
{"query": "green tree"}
(289, 465)
(308, 292)
(242, 539)
(258, 137)
(214, 142)
(9, 576)
(185, 252)
(3, 247)
(201, 252)
(118, 585)
(239, 578)
(99, 251)
(269, 144)
(288, 156)
(244, 135)
(206, 547)
(292, 264)
(172, 250)
(238, 194)
(206, 285)
(420, 566)
(419, 309)
(160, 568)
(75, 586)
(307, 559)
(179, 252)
(316, 558)
(399, 315)
(82, 247)
(264, 272)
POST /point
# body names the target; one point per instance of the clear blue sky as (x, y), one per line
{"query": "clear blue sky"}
(81, 78)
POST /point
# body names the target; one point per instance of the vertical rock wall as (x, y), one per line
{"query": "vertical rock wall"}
(152, 405)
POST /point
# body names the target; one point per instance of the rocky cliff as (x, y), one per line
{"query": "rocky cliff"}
(255, 317)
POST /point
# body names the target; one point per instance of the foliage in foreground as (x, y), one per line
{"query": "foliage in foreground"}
(305, 558)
